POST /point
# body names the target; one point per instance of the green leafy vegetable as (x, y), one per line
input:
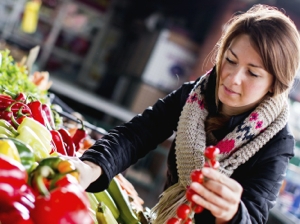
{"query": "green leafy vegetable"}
(15, 78)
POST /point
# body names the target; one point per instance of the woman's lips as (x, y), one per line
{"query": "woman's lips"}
(229, 91)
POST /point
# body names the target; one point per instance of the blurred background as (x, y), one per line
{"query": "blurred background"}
(111, 59)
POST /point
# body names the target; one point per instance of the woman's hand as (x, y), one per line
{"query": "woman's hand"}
(219, 194)
(88, 171)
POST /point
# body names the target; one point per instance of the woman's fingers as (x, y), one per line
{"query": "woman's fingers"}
(215, 175)
(207, 198)
(218, 193)
(88, 171)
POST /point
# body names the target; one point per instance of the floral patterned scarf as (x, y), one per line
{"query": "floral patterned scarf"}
(236, 147)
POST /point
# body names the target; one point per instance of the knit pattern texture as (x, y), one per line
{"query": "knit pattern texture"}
(236, 147)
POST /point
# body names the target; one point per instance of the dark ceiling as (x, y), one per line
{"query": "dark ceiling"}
(189, 14)
(194, 15)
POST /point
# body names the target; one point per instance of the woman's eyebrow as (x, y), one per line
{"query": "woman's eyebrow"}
(252, 65)
(232, 52)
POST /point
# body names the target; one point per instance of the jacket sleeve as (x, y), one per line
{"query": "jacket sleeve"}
(264, 179)
(127, 143)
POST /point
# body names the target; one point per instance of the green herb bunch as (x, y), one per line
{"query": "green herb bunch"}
(15, 78)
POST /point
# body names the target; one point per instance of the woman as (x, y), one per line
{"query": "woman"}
(240, 106)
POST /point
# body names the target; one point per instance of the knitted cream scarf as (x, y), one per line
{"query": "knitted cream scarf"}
(236, 148)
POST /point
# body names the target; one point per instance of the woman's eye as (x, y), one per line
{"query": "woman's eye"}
(231, 62)
(252, 74)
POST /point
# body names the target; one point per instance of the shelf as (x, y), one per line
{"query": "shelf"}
(45, 19)
(24, 41)
(67, 55)
(7, 2)
(277, 216)
(89, 99)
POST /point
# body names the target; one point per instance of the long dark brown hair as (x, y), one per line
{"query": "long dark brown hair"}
(277, 41)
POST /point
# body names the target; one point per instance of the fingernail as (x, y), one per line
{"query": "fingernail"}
(205, 170)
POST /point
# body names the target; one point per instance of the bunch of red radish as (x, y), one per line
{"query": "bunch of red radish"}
(185, 212)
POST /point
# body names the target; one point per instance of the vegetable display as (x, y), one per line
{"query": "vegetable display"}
(38, 184)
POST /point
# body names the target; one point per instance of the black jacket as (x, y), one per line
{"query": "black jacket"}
(260, 177)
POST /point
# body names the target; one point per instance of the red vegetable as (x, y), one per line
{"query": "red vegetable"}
(15, 217)
(197, 176)
(58, 142)
(16, 96)
(5, 101)
(189, 193)
(15, 109)
(16, 198)
(21, 97)
(48, 114)
(188, 221)
(63, 201)
(79, 135)
(36, 110)
(183, 211)
(196, 208)
(6, 115)
(3, 96)
(19, 105)
(20, 119)
(211, 152)
(67, 138)
(173, 220)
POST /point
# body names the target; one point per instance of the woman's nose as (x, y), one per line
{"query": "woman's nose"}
(237, 76)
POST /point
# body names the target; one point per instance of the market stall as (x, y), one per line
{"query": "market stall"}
(37, 184)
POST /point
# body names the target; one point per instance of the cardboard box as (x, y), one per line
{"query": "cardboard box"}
(146, 96)
(171, 62)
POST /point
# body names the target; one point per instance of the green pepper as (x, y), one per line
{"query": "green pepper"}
(37, 127)
(28, 136)
(41, 131)
(7, 125)
(25, 153)
(6, 132)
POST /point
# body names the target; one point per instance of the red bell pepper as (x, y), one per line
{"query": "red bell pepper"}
(15, 109)
(79, 135)
(16, 96)
(15, 217)
(14, 175)
(37, 111)
(16, 198)
(20, 115)
(58, 142)
(21, 97)
(20, 119)
(5, 101)
(6, 114)
(48, 114)
(67, 138)
(61, 201)
(3, 96)
(67, 203)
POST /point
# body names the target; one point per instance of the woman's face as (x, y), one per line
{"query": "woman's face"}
(243, 79)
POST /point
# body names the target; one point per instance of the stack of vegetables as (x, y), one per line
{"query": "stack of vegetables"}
(37, 184)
